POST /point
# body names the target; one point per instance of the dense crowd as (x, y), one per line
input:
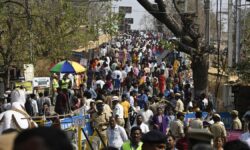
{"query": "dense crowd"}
(138, 100)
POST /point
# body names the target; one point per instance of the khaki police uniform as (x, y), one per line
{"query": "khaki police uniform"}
(98, 120)
(237, 124)
(177, 128)
(218, 130)
(179, 106)
(196, 124)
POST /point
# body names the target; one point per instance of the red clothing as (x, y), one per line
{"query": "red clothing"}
(61, 105)
(162, 82)
(182, 143)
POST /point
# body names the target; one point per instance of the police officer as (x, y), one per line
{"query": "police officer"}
(236, 121)
(100, 120)
(65, 82)
(177, 126)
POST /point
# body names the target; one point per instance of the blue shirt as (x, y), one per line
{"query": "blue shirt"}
(142, 99)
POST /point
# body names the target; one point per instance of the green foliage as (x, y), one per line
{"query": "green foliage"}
(110, 24)
(243, 69)
(43, 28)
(51, 28)
(15, 37)
(167, 45)
(57, 28)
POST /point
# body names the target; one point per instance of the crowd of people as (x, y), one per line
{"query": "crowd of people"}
(138, 100)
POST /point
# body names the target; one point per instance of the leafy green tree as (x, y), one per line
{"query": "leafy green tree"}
(13, 35)
(31, 30)
(243, 67)
(57, 28)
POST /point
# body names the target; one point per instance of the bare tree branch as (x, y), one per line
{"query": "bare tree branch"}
(184, 48)
(176, 8)
(13, 2)
(160, 14)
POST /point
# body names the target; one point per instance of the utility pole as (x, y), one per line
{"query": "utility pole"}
(207, 25)
(230, 46)
(238, 26)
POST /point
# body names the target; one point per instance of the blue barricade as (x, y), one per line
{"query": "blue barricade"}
(75, 120)
(190, 116)
(225, 118)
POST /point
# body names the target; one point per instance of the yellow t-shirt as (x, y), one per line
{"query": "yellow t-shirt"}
(125, 105)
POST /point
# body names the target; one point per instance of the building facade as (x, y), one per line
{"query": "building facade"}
(136, 17)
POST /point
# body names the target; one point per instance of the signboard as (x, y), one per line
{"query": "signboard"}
(124, 9)
(83, 121)
(28, 72)
(41, 82)
(26, 84)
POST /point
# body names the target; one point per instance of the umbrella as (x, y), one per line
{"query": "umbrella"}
(68, 67)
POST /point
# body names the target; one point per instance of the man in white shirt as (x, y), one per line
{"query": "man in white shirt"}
(204, 100)
(245, 137)
(131, 99)
(146, 114)
(87, 100)
(34, 104)
(103, 51)
(139, 123)
(128, 67)
(117, 72)
(99, 82)
(116, 134)
(18, 95)
(118, 111)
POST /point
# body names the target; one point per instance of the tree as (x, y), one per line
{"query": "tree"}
(243, 67)
(57, 28)
(38, 29)
(111, 22)
(12, 34)
(185, 27)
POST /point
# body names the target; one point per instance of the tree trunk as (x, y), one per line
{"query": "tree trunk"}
(200, 67)
(6, 79)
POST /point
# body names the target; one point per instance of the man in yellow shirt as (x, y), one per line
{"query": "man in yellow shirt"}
(55, 85)
(176, 66)
(125, 104)
(135, 140)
